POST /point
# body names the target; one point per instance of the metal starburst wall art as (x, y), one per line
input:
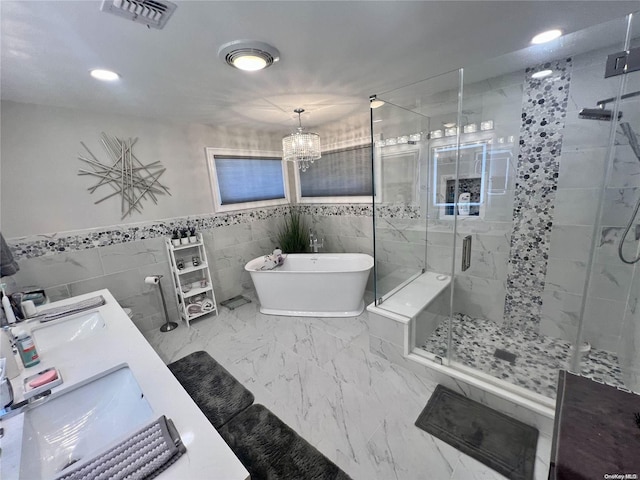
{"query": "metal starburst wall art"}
(127, 176)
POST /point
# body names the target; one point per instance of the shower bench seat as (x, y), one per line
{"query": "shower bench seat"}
(414, 308)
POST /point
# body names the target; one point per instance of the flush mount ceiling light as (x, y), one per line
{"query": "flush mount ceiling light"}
(106, 75)
(300, 146)
(545, 37)
(542, 74)
(248, 55)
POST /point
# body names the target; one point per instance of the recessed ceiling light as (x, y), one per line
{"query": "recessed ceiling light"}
(542, 74)
(545, 37)
(248, 55)
(106, 75)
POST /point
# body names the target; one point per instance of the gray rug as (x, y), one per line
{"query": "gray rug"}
(216, 392)
(497, 440)
(270, 450)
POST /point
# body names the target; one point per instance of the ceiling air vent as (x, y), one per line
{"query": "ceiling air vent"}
(152, 13)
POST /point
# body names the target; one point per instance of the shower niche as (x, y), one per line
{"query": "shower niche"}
(471, 179)
(483, 175)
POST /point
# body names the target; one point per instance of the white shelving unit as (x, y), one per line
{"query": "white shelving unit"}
(192, 283)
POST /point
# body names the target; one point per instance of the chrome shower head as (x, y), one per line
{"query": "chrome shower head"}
(597, 114)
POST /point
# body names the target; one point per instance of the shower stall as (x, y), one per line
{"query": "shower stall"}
(506, 225)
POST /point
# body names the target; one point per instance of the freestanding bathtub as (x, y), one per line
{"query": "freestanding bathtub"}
(313, 284)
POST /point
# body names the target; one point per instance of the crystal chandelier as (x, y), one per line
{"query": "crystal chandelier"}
(300, 146)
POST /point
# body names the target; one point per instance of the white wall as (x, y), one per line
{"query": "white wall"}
(40, 191)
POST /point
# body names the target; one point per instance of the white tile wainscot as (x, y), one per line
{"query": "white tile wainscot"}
(207, 455)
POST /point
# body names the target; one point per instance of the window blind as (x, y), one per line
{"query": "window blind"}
(248, 179)
(339, 173)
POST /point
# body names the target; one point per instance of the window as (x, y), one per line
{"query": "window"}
(246, 179)
(339, 176)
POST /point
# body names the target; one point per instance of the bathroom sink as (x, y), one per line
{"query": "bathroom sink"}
(68, 329)
(79, 423)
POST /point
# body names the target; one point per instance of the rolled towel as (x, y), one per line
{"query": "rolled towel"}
(269, 263)
(59, 312)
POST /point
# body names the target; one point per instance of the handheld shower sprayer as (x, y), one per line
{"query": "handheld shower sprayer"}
(627, 131)
(632, 137)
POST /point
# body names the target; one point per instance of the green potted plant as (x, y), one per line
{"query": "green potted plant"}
(184, 239)
(293, 236)
(175, 239)
(192, 235)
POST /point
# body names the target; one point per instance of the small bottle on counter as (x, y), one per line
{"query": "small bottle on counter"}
(27, 349)
(8, 309)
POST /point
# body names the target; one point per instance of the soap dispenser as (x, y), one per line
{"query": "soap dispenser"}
(27, 348)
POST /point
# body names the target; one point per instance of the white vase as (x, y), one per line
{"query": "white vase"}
(184, 240)
(175, 242)
(193, 239)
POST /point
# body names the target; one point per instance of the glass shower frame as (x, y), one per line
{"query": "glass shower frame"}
(411, 101)
(403, 246)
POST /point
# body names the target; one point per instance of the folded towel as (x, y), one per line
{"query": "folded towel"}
(58, 312)
(8, 266)
(272, 261)
(144, 455)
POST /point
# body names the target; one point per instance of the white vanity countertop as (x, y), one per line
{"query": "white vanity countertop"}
(207, 455)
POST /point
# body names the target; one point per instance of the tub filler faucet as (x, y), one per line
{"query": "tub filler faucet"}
(313, 241)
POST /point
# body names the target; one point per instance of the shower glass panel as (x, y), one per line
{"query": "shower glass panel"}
(415, 173)
(610, 333)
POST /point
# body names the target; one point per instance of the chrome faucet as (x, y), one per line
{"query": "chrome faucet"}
(313, 241)
(6, 391)
(7, 408)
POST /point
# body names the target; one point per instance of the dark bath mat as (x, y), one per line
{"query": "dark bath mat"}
(271, 450)
(500, 442)
(216, 392)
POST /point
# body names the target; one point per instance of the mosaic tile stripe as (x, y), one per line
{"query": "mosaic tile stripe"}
(382, 211)
(543, 117)
(53, 243)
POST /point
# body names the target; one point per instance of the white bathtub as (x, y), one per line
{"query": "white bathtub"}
(313, 284)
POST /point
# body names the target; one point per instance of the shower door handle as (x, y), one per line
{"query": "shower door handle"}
(466, 252)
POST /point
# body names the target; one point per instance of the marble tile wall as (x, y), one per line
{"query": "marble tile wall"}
(400, 252)
(583, 166)
(344, 229)
(118, 258)
(121, 268)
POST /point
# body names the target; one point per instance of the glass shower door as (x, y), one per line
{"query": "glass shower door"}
(610, 333)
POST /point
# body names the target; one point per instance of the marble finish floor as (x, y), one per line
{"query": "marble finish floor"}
(538, 358)
(318, 376)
